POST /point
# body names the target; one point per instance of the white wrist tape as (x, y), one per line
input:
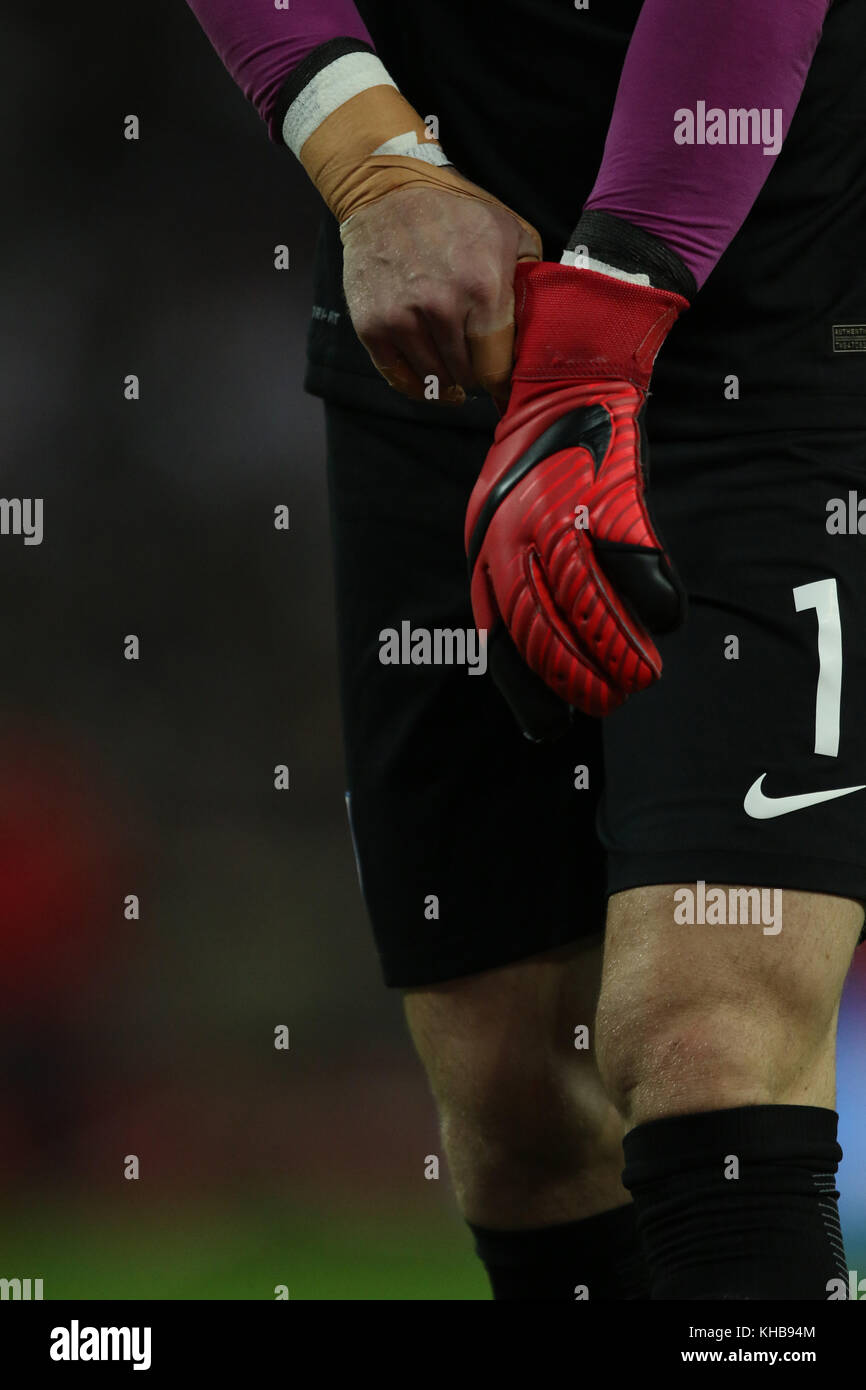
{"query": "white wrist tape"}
(331, 88)
(581, 261)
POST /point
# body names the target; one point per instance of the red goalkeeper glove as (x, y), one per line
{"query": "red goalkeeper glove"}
(569, 576)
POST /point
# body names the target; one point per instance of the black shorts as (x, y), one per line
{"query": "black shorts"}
(476, 848)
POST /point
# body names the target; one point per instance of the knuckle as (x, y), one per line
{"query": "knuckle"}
(381, 324)
(484, 286)
(439, 305)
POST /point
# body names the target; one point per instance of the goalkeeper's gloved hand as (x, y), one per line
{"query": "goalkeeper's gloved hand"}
(568, 574)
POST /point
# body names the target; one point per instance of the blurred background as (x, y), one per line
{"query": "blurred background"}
(154, 1036)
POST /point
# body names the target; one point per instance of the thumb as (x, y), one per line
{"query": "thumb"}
(492, 353)
(492, 357)
(529, 246)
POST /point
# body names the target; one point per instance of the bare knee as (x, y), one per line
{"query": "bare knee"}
(521, 1107)
(698, 1017)
(678, 1056)
(500, 1055)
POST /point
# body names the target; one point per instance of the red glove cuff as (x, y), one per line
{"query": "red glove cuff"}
(575, 324)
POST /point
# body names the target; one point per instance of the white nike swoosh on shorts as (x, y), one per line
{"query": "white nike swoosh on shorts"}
(761, 807)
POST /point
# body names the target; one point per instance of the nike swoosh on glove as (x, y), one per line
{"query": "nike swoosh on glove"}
(568, 574)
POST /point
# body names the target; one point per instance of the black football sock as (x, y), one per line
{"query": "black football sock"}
(740, 1203)
(600, 1255)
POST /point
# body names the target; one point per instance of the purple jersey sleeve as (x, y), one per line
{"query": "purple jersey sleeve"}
(261, 46)
(690, 63)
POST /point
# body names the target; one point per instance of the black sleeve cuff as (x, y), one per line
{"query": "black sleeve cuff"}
(629, 248)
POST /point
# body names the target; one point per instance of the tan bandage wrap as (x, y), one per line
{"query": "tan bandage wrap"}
(340, 155)
(343, 158)
(340, 158)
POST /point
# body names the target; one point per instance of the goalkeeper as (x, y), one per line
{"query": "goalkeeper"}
(678, 391)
